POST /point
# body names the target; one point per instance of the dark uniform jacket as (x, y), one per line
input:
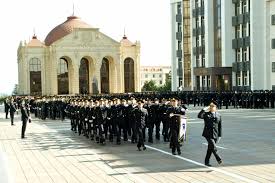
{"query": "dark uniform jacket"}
(140, 116)
(212, 124)
(175, 120)
(25, 113)
(12, 108)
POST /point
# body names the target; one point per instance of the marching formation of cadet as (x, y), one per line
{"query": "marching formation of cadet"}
(115, 119)
(119, 117)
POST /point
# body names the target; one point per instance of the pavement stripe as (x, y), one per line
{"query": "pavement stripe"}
(200, 164)
(216, 146)
(197, 122)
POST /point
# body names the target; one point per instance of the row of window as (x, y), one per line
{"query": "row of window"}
(199, 4)
(273, 66)
(153, 75)
(203, 81)
(159, 82)
(242, 30)
(153, 70)
(242, 80)
(242, 7)
(243, 55)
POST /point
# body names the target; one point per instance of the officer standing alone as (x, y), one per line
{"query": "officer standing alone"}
(212, 130)
(25, 117)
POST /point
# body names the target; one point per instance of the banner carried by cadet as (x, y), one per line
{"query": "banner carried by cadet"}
(182, 128)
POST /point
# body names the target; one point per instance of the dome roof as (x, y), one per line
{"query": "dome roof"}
(64, 29)
(35, 42)
(126, 42)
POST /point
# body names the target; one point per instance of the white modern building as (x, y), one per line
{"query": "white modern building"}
(232, 43)
(159, 74)
(176, 44)
(270, 35)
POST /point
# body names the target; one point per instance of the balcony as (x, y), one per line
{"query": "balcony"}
(234, 43)
(234, 21)
(201, 11)
(179, 36)
(240, 42)
(241, 66)
(246, 41)
(246, 18)
(246, 66)
(195, 13)
(179, 71)
(194, 50)
(240, 19)
(179, 53)
(179, 18)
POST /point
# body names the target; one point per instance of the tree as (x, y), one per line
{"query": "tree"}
(15, 90)
(149, 86)
(166, 87)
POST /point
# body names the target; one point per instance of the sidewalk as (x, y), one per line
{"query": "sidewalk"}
(53, 153)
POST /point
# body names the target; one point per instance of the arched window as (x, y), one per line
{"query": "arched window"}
(35, 76)
(104, 76)
(62, 76)
(129, 75)
(84, 76)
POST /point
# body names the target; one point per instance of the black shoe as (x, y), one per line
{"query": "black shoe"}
(139, 149)
(179, 153)
(220, 162)
(12, 124)
(207, 164)
(144, 148)
(174, 153)
(125, 139)
(118, 143)
(150, 140)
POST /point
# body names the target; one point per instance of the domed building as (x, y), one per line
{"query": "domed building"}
(76, 58)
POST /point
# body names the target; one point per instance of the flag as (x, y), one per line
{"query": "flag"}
(182, 128)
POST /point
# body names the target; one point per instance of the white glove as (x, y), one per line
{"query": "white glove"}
(171, 115)
(206, 108)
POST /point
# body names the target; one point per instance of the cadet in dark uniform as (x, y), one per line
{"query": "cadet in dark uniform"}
(25, 117)
(7, 107)
(12, 110)
(165, 120)
(212, 130)
(140, 118)
(174, 112)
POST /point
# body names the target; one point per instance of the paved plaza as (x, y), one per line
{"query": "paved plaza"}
(53, 153)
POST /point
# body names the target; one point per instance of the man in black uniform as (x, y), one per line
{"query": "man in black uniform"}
(164, 119)
(174, 112)
(212, 130)
(7, 107)
(12, 110)
(140, 118)
(25, 117)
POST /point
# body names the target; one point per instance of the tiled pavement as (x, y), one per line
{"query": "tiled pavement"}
(53, 153)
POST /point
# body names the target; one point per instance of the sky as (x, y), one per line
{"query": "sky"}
(147, 21)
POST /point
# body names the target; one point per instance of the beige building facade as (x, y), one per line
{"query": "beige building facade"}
(158, 74)
(76, 58)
